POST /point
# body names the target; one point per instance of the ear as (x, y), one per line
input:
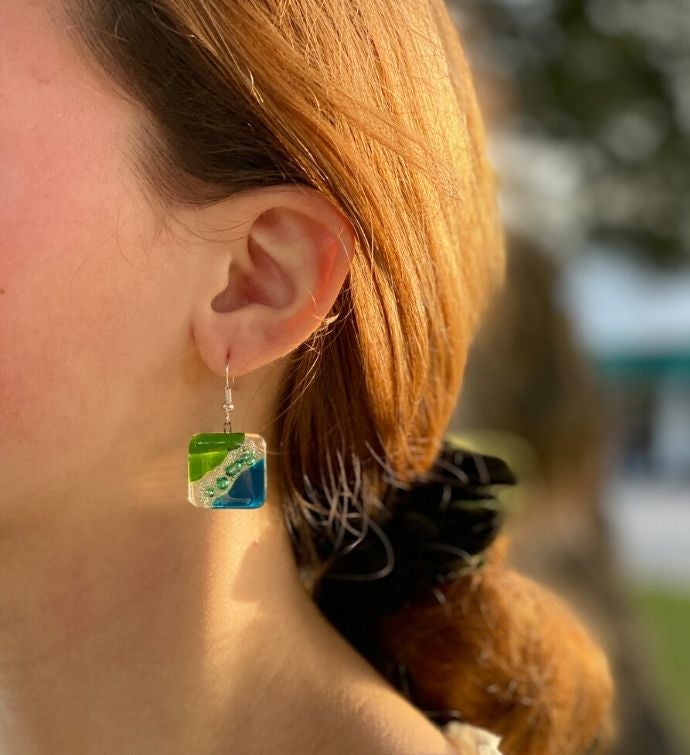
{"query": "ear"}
(273, 279)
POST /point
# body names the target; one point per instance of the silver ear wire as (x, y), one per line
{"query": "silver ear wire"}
(228, 406)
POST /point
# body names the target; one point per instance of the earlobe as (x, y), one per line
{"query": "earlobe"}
(284, 276)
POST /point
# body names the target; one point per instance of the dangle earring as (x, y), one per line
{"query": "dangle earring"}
(227, 470)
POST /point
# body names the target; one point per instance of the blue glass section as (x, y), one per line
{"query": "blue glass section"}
(248, 492)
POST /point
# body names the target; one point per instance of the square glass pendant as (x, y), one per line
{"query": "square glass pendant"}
(227, 470)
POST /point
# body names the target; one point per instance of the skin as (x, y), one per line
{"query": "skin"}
(131, 621)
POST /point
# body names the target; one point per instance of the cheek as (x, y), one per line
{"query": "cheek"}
(73, 293)
(62, 186)
(44, 239)
(52, 317)
(77, 270)
(77, 346)
(58, 200)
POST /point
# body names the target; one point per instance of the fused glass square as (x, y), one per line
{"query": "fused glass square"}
(227, 470)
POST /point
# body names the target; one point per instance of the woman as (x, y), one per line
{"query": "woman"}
(293, 194)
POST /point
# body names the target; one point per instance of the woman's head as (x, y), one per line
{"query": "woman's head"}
(300, 187)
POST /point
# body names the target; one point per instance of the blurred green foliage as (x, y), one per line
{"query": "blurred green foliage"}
(666, 618)
(611, 80)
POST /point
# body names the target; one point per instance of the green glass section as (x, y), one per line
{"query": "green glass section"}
(207, 451)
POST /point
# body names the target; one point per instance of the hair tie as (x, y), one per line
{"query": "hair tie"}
(436, 529)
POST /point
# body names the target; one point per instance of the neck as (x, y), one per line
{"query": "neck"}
(140, 630)
(138, 623)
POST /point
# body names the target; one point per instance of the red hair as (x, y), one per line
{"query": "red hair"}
(511, 657)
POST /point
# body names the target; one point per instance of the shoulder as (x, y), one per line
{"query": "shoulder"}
(383, 722)
(420, 737)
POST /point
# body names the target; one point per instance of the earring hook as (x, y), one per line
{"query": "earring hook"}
(228, 406)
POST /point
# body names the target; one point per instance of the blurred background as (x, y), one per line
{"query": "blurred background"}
(581, 374)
